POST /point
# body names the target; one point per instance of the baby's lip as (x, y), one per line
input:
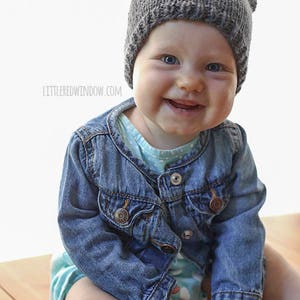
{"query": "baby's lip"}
(185, 103)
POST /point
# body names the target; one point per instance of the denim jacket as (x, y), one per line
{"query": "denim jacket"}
(123, 225)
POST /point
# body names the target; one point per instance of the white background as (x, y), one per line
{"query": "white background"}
(81, 43)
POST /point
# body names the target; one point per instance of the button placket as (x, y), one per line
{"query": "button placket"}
(168, 249)
(176, 178)
(187, 234)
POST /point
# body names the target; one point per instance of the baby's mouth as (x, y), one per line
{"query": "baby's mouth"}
(184, 104)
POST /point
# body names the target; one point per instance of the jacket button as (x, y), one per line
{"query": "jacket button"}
(176, 178)
(168, 249)
(121, 215)
(216, 204)
(187, 234)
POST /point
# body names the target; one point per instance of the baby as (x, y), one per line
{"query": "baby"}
(162, 191)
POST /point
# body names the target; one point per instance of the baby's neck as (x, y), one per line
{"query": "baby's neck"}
(158, 138)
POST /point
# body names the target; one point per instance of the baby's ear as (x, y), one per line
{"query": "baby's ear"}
(253, 4)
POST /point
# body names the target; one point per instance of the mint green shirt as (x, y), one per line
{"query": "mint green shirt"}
(155, 159)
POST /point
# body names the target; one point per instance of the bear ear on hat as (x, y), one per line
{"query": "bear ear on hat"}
(253, 4)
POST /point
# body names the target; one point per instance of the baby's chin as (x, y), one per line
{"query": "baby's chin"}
(180, 136)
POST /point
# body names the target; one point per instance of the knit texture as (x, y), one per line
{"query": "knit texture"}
(233, 18)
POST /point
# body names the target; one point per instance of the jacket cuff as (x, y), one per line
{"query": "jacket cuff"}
(236, 296)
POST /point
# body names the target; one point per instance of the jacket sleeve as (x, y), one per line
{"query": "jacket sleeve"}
(237, 271)
(92, 245)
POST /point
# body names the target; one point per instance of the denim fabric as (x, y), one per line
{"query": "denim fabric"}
(123, 225)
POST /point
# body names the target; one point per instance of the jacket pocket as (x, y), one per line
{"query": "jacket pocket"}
(124, 212)
(204, 204)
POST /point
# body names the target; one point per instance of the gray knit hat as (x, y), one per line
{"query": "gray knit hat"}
(233, 18)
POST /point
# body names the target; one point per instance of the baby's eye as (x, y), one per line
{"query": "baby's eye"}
(169, 59)
(214, 67)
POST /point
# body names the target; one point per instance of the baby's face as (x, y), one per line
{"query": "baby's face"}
(184, 82)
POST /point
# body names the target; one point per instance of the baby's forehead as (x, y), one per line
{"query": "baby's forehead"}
(188, 35)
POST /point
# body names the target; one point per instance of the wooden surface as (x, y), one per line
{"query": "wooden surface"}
(4, 295)
(28, 279)
(25, 279)
(283, 234)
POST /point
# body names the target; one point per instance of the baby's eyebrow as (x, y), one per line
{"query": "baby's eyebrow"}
(165, 48)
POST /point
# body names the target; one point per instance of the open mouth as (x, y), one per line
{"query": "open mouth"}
(184, 104)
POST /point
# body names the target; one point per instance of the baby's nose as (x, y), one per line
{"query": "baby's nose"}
(190, 81)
